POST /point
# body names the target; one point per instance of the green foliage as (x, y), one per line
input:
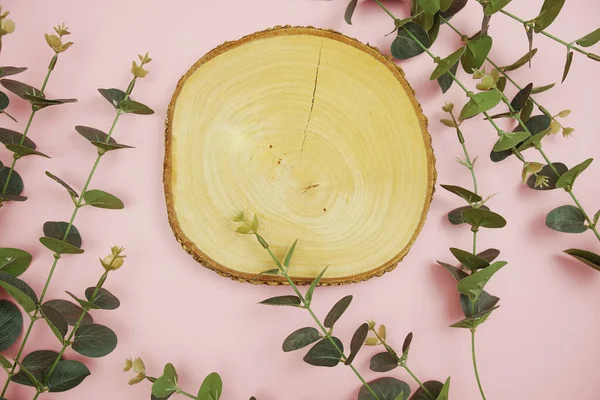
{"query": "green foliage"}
(103, 299)
(480, 218)
(67, 375)
(477, 51)
(64, 184)
(434, 387)
(548, 13)
(358, 339)
(20, 291)
(337, 311)
(410, 41)
(474, 321)
(211, 388)
(548, 172)
(14, 261)
(37, 363)
(587, 257)
(590, 39)
(11, 324)
(56, 322)
(494, 6)
(311, 289)
(133, 107)
(300, 338)
(350, 11)
(469, 260)
(484, 302)
(383, 362)
(480, 103)
(386, 389)
(113, 96)
(290, 301)
(325, 353)
(473, 285)
(69, 311)
(567, 219)
(94, 340)
(466, 194)
(101, 199)
(567, 180)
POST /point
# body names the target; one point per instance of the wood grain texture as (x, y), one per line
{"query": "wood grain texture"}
(319, 135)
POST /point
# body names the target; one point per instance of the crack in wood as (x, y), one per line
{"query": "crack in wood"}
(312, 104)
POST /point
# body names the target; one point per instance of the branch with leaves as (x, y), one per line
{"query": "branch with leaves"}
(7, 26)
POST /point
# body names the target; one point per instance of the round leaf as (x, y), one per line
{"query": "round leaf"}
(133, 107)
(57, 230)
(113, 96)
(434, 387)
(325, 353)
(104, 299)
(37, 363)
(59, 247)
(568, 219)
(70, 312)
(67, 375)
(478, 217)
(469, 260)
(300, 338)
(410, 42)
(11, 324)
(94, 340)
(211, 388)
(15, 186)
(383, 362)
(8, 136)
(56, 322)
(477, 51)
(14, 261)
(101, 199)
(550, 174)
(20, 291)
(385, 389)
(481, 102)
(166, 384)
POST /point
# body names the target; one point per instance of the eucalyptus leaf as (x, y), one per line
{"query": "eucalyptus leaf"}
(4, 102)
(542, 89)
(358, 339)
(567, 180)
(429, 6)
(444, 65)
(350, 11)
(383, 362)
(290, 301)
(489, 255)
(434, 387)
(212, 388)
(70, 312)
(587, 257)
(19, 88)
(290, 253)
(434, 31)
(567, 219)
(166, 384)
(481, 102)
(521, 98)
(385, 389)
(8, 71)
(325, 353)
(527, 110)
(520, 62)
(466, 194)
(20, 291)
(14, 261)
(309, 293)
(300, 338)
(102, 199)
(83, 303)
(474, 321)
(15, 185)
(455, 216)
(23, 151)
(456, 273)
(501, 84)
(58, 230)
(568, 63)
(445, 81)
(477, 51)
(539, 127)
(469, 260)
(93, 134)
(548, 13)
(473, 285)
(494, 6)
(406, 345)
(411, 40)
(133, 107)
(478, 217)
(510, 140)
(113, 96)
(484, 302)
(37, 363)
(455, 8)
(111, 146)
(67, 375)
(8, 136)
(59, 247)
(445, 5)
(104, 299)
(56, 322)
(590, 39)
(94, 340)
(39, 102)
(11, 324)
(336, 311)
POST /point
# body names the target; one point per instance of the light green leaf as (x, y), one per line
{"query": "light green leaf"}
(313, 285)
(548, 13)
(590, 39)
(83, 303)
(211, 388)
(494, 6)
(567, 180)
(19, 290)
(290, 253)
(101, 199)
(473, 285)
(14, 261)
(477, 51)
(481, 102)
(567, 219)
(429, 6)
(447, 63)
(445, 4)
(509, 140)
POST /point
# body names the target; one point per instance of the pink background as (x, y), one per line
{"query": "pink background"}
(541, 343)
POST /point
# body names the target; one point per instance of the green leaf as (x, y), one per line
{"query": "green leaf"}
(410, 41)
(434, 31)
(274, 271)
(568, 63)
(4, 103)
(469, 260)
(385, 389)
(541, 89)
(56, 322)
(290, 253)
(445, 81)
(445, 5)
(67, 375)
(510, 140)
(474, 321)
(14, 261)
(325, 353)
(481, 102)
(39, 102)
(430, 7)
(309, 293)
(473, 285)
(211, 388)
(455, 216)
(489, 255)
(357, 341)
(548, 13)
(501, 84)
(494, 6)
(101, 199)
(290, 301)
(57, 230)
(520, 62)
(383, 362)
(133, 107)
(300, 338)
(527, 110)
(567, 219)
(23, 151)
(484, 302)
(469, 196)
(111, 146)
(166, 384)
(567, 180)
(477, 51)
(113, 96)
(350, 11)
(587, 257)
(590, 39)
(94, 340)
(521, 97)
(478, 217)
(37, 363)
(5, 363)
(104, 299)
(539, 127)
(59, 247)
(443, 66)
(62, 183)
(8, 71)
(11, 324)
(455, 8)
(434, 387)
(19, 88)
(20, 291)
(83, 303)
(456, 273)
(8, 136)
(15, 186)
(70, 312)
(336, 311)
(93, 134)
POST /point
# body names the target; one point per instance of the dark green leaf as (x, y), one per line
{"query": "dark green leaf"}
(94, 340)
(541, 89)
(443, 66)
(166, 384)
(83, 303)
(10, 197)
(590, 39)
(552, 177)
(567, 180)
(325, 353)
(313, 285)
(494, 6)
(39, 102)
(11, 324)
(481, 102)
(434, 31)
(104, 299)
(478, 217)
(548, 13)
(455, 216)
(445, 81)
(587, 257)
(8, 71)
(410, 42)
(489, 255)
(19, 88)
(19, 290)
(37, 363)
(291, 301)
(23, 151)
(133, 107)
(456, 273)
(59, 247)
(484, 302)
(469, 260)
(4, 101)
(67, 375)
(527, 110)
(445, 5)
(102, 199)
(56, 322)
(568, 219)
(357, 341)
(57, 230)
(434, 387)
(501, 84)
(70, 312)
(567, 65)
(336, 311)
(406, 345)
(93, 134)
(211, 388)
(477, 51)
(111, 146)
(290, 253)
(8, 136)
(457, 5)
(469, 196)
(539, 127)
(350, 11)
(521, 97)
(520, 62)
(300, 338)
(474, 321)
(15, 186)
(14, 261)
(510, 140)
(383, 362)
(430, 7)
(113, 96)
(385, 389)
(473, 285)
(64, 184)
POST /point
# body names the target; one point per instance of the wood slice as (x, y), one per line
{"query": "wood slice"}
(316, 133)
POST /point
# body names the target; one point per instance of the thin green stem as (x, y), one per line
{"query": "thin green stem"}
(475, 242)
(37, 394)
(470, 167)
(312, 314)
(475, 364)
(388, 12)
(417, 380)
(186, 394)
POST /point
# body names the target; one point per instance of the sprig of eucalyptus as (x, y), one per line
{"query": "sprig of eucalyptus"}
(7, 26)
(63, 238)
(11, 183)
(328, 350)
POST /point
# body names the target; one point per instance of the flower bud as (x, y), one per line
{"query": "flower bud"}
(564, 113)
(541, 181)
(448, 122)
(382, 331)
(128, 365)
(112, 262)
(448, 107)
(568, 131)
(554, 127)
(371, 324)
(7, 26)
(138, 71)
(61, 30)
(138, 366)
(136, 379)
(372, 341)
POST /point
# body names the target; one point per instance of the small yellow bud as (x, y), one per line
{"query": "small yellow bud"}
(541, 181)
(564, 113)
(138, 366)
(372, 341)
(554, 127)
(62, 30)
(568, 131)
(371, 324)
(112, 262)
(448, 122)
(239, 217)
(117, 250)
(8, 26)
(137, 379)
(54, 42)
(138, 71)
(495, 75)
(382, 331)
(448, 107)
(487, 82)
(128, 365)
(478, 74)
(531, 168)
